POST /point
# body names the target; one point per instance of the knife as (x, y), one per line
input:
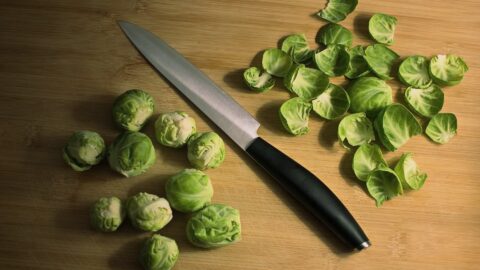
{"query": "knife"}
(242, 128)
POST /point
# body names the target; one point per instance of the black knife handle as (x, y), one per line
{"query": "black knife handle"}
(310, 191)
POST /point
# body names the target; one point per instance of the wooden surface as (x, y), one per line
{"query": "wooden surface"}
(62, 63)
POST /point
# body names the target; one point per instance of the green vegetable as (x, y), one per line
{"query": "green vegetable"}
(307, 83)
(131, 153)
(382, 28)
(276, 62)
(354, 130)
(214, 226)
(337, 10)
(442, 127)
(107, 214)
(367, 158)
(258, 81)
(447, 70)
(383, 184)
(408, 172)
(369, 94)
(296, 46)
(132, 109)
(294, 115)
(413, 71)
(189, 190)
(83, 150)
(380, 59)
(206, 150)
(395, 125)
(358, 66)
(426, 102)
(159, 253)
(334, 34)
(173, 129)
(148, 212)
(331, 103)
(333, 61)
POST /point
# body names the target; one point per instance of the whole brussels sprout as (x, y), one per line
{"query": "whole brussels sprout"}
(148, 212)
(132, 109)
(214, 226)
(206, 150)
(107, 214)
(159, 253)
(189, 190)
(173, 129)
(131, 153)
(84, 149)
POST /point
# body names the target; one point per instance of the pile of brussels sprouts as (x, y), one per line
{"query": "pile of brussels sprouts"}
(189, 191)
(373, 116)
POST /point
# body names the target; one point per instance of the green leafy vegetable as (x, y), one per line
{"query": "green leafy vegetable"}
(189, 190)
(380, 59)
(83, 150)
(426, 102)
(408, 172)
(331, 103)
(294, 115)
(206, 150)
(447, 70)
(369, 94)
(334, 34)
(442, 127)
(305, 82)
(333, 61)
(159, 253)
(358, 66)
(258, 81)
(382, 28)
(132, 109)
(107, 214)
(337, 10)
(354, 130)
(276, 62)
(173, 129)
(383, 184)
(413, 71)
(367, 158)
(296, 46)
(148, 212)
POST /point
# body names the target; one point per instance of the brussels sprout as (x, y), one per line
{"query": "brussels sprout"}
(367, 158)
(358, 66)
(354, 130)
(307, 83)
(296, 46)
(107, 214)
(408, 172)
(382, 28)
(83, 150)
(132, 109)
(159, 253)
(442, 127)
(383, 184)
(214, 226)
(131, 153)
(413, 71)
(276, 62)
(258, 81)
(189, 190)
(294, 115)
(334, 34)
(426, 102)
(395, 125)
(333, 61)
(173, 129)
(337, 10)
(447, 69)
(206, 150)
(380, 59)
(369, 94)
(331, 103)
(148, 212)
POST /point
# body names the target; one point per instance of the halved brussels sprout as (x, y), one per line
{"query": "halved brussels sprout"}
(442, 127)
(216, 225)
(337, 10)
(131, 153)
(383, 184)
(189, 190)
(83, 150)
(354, 130)
(382, 28)
(395, 125)
(258, 81)
(294, 115)
(276, 62)
(132, 109)
(334, 34)
(296, 46)
(369, 94)
(408, 172)
(380, 59)
(331, 103)
(148, 212)
(426, 102)
(206, 150)
(333, 61)
(173, 129)
(413, 71)
(358, 66)
(307, 83)
(159, 253)
(447, 69)
(367, 158)
(107, 214)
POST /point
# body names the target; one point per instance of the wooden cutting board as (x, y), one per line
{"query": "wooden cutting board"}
(62, 63)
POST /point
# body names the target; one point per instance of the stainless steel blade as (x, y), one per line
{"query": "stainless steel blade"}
(237, 123)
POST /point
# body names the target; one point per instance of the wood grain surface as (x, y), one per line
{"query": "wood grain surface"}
(63, 62)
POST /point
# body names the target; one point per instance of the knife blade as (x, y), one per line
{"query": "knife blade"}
(242, 128)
